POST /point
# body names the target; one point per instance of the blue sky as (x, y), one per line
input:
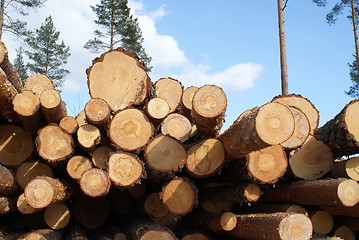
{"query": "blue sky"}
(231, 43)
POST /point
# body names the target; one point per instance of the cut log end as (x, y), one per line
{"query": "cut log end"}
(188, 96)
(295, 226)
(69, 124)
(100, 156)
(77, 165)
(195, 236)
(351, 119)
(205, 158)
(177, 126)
(157, 108)
(154, 207)
(348, 192)
(322, 222)
(26, 103)
(158, 235)
(95, 182)
(57, 216)
(97, 112)
(179, 196)
(38, 83)
(39, 193)
(228, 221)
(88, 136)
(252, 192)
(124, 169)
(344, 232)
(28, 171)
(130, 129)
(352, 168)
(274, 123)
(209, 101)
(50, 98)
(170, 90)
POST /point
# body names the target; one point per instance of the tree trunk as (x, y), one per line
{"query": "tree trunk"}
(338, 192)
(8, 68)
(283, 226)
(97, 112)
(258, 128)
(7, 94)
(283, 54)
(57, 216)
(52, 106)
(341, 133)
(29, 170)
(355, 30)
(95, 182)
(205, 158)
(126, 80)
(179, 196)
(170, 90)
(77, 165)
(209, 105)
(177, 126)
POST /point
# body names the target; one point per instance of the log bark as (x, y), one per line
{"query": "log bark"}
(88, 137)
(125, 169)
(157, 109)
(341, 210)
(57, 216)
(187, 97)
(177, 126)
(8, 68)
(322, 221)
(42, 234)
(38, 83)
(52, 106)
(164, 156)
(16, 145)
(170, 90)
(8, 185)
(77, 165)
(27, 106)
(144, 229)
(69, 124)
(179, 196)
(338, 192)
(205, 158)
(258, 128)
(222, 222)
(7, 205)
(130, 129)
(126, 80)
(312, 160)
(7, 94)
(257, 207)
(348, 168)
(97, 112)
(43, 191)
(100, 156)
(95, 182)
(284, 226)
(304, 105)
(209, 105)
(27, 171)
(54, 144)
(341, 133)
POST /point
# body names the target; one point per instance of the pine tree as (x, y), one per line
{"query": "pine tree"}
(354, 77)
(16, 26)
(47, 55)
(19, 66)
(119, 29)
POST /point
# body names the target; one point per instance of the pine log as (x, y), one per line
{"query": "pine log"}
(97, 112)
(216, 206)
(69, 124)
(8, 68)
(7, 94)
(170, 220)
(179, 196)
(100, 156)
(52, 106)
(157, 109)
(304, 105)
(95, 182)
(91, 212)
(57, 216)
(164, 156)
(42, 234)
(312, 160)
(81, 118)
(322, 222)
(258, 128)
(24, 207)
(177, 126)
(88, 137)
(145, 229)
(208, 109)
(236, 193)
(43, 191)
(126, 80)
(27, 106)
(28, 171)
(16, 145)
(170, 90)
(54, 144)
(284, 226)
(222, 222)
(130, 129)
(7, 205)
(338, 192)
(34, 221)
(125, 169)
(205, 158)
(348, 168)
(257, 207)
(345, 233)
(8, 185)
(38, 83)
(187, 97)
(301, 130)
(151, 206)
(76, 232)
(77, 165)
(341, 210)
(341, 133)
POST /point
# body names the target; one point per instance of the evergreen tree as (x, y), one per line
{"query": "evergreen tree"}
(118, 29)
(354, 77)
(16, 26)
(19, 65)
(47, 55)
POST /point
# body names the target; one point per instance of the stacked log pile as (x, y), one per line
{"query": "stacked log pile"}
(148, 160)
